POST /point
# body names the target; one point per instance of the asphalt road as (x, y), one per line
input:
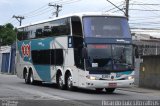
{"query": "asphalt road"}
(14, 92)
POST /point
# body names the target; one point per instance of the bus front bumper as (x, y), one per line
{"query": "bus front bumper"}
(109, 84)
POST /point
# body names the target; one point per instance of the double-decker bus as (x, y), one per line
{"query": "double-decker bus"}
(87, 50)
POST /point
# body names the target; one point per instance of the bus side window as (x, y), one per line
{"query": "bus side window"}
(32, 34)
(60, 27)
(47, 31)
(55, 31)
(39, 33)
(41, 57)
(23, 34)
(57, 57)
(76, 26)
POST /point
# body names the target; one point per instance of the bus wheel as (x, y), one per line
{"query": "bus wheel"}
(110, 90)
(26, 78)
(99, 89)
(69, 82)
(31, 79)
(60, 81)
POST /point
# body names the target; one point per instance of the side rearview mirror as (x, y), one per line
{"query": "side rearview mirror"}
(84, 53)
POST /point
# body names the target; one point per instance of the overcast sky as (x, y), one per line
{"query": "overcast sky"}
(36, 10)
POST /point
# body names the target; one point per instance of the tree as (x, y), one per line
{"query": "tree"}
(7, 34)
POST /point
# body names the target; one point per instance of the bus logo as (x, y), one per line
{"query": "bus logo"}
(26, 50)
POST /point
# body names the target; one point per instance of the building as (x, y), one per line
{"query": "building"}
(7, 59)
(146, 43)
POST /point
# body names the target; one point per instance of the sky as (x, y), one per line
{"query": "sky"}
(142, 13)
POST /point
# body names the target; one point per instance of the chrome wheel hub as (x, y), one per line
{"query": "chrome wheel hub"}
(60, 81)
(31, 78)
(69, 82)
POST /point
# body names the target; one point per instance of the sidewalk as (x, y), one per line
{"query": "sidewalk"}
(140, 90)
(2, 73)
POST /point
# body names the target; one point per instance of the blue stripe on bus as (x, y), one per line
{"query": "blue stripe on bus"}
(43, 72)
(127, 72)
(41, 44)
(38, 44)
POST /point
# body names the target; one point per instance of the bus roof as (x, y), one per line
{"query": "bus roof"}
(75, 14)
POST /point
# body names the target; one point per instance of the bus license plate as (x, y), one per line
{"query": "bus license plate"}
(105, 76)
(112, 84)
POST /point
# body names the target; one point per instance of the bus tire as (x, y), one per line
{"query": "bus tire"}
(69, 82)
(110, 90)
(60, 81)
(31, 79)
(26, 78)
(99, 89)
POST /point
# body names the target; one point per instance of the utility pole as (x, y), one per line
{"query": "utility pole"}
(116, 6)
(126, 12)
(127, 9)
(57, 8)
(19, 18)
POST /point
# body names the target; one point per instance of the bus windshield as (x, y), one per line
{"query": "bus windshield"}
(106, 27)
(109, 57)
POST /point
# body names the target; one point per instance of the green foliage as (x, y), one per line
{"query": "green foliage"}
(7, 34)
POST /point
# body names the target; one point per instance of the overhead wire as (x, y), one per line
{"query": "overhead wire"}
(64, 2)
(36, 10)
(114, 8)
(45, 9)
(145, 4)
(41, 10)
(48, 9)
(144, 10)
(145, 21)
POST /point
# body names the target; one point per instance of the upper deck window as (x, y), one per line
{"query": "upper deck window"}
(22, 34)
(106, 27)
(51, 28)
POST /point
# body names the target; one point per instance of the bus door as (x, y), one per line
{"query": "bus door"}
(77, 36)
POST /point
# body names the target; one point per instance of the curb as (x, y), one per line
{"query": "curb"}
(132, 90)
(139, 90)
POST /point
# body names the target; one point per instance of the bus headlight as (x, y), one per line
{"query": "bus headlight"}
(91, 77)
(130, 77)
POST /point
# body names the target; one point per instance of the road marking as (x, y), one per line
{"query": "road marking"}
(38, 95)
(42, 95)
